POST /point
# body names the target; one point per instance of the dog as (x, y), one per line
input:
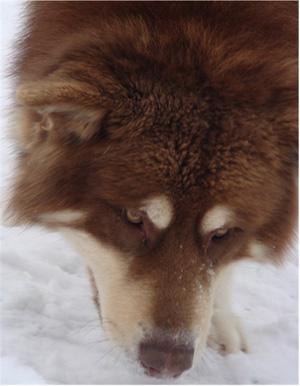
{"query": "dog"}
(161, 139)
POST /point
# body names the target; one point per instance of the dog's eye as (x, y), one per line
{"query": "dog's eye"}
(133, 217)
(220, 233)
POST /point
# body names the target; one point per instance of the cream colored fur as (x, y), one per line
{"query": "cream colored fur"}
(67, 217)
(226, 331)
(124, 304)
(216, 218)
(159, 211)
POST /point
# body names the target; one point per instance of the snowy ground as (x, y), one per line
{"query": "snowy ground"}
(50, 330)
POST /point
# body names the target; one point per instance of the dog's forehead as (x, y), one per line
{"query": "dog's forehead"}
(179, 148)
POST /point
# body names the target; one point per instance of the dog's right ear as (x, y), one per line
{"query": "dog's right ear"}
(61, 105)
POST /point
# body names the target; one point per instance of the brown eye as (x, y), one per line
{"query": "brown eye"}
(220, 232)
(133, 217)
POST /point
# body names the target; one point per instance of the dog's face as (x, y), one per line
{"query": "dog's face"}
(159, 212)
(159, 186)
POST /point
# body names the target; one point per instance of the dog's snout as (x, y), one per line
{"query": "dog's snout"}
(165, 358)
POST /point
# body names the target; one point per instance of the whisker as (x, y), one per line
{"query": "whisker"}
(108, 352)
(208, 361)
(104, 340)
(93, 328)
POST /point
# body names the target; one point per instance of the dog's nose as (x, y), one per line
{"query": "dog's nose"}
(165, 358)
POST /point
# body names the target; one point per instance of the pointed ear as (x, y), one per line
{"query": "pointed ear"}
(71, 106)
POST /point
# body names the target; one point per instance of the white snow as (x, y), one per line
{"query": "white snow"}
(50, 328)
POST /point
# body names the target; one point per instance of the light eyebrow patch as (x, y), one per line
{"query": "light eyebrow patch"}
(260, 252)
(159, 211)
(216, 218)
(66, 217)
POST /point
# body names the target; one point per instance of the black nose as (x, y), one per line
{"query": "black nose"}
(165, 358)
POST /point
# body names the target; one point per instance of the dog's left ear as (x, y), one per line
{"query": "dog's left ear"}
(62, 106)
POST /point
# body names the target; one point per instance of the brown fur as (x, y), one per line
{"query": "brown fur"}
(197, 101)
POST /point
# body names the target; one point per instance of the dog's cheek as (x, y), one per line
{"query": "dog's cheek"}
(124, 304)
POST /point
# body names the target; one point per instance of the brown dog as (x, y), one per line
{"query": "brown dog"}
(161, 138)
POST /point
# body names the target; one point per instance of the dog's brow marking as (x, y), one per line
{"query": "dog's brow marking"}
(216, 218)
(259, 251)
(159, 211)
(65, 216)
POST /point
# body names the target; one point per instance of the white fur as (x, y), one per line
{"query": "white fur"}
(216, 218)
(159, 211)
(226, 331)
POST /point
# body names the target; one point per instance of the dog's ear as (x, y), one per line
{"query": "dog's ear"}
(66, 105)
(63, 106)
(54, 94)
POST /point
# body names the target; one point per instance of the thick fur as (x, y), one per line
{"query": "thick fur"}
(183, 111)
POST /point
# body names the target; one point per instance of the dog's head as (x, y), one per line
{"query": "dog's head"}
(160, 181)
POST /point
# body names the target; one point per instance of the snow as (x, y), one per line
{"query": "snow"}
(50, 328)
